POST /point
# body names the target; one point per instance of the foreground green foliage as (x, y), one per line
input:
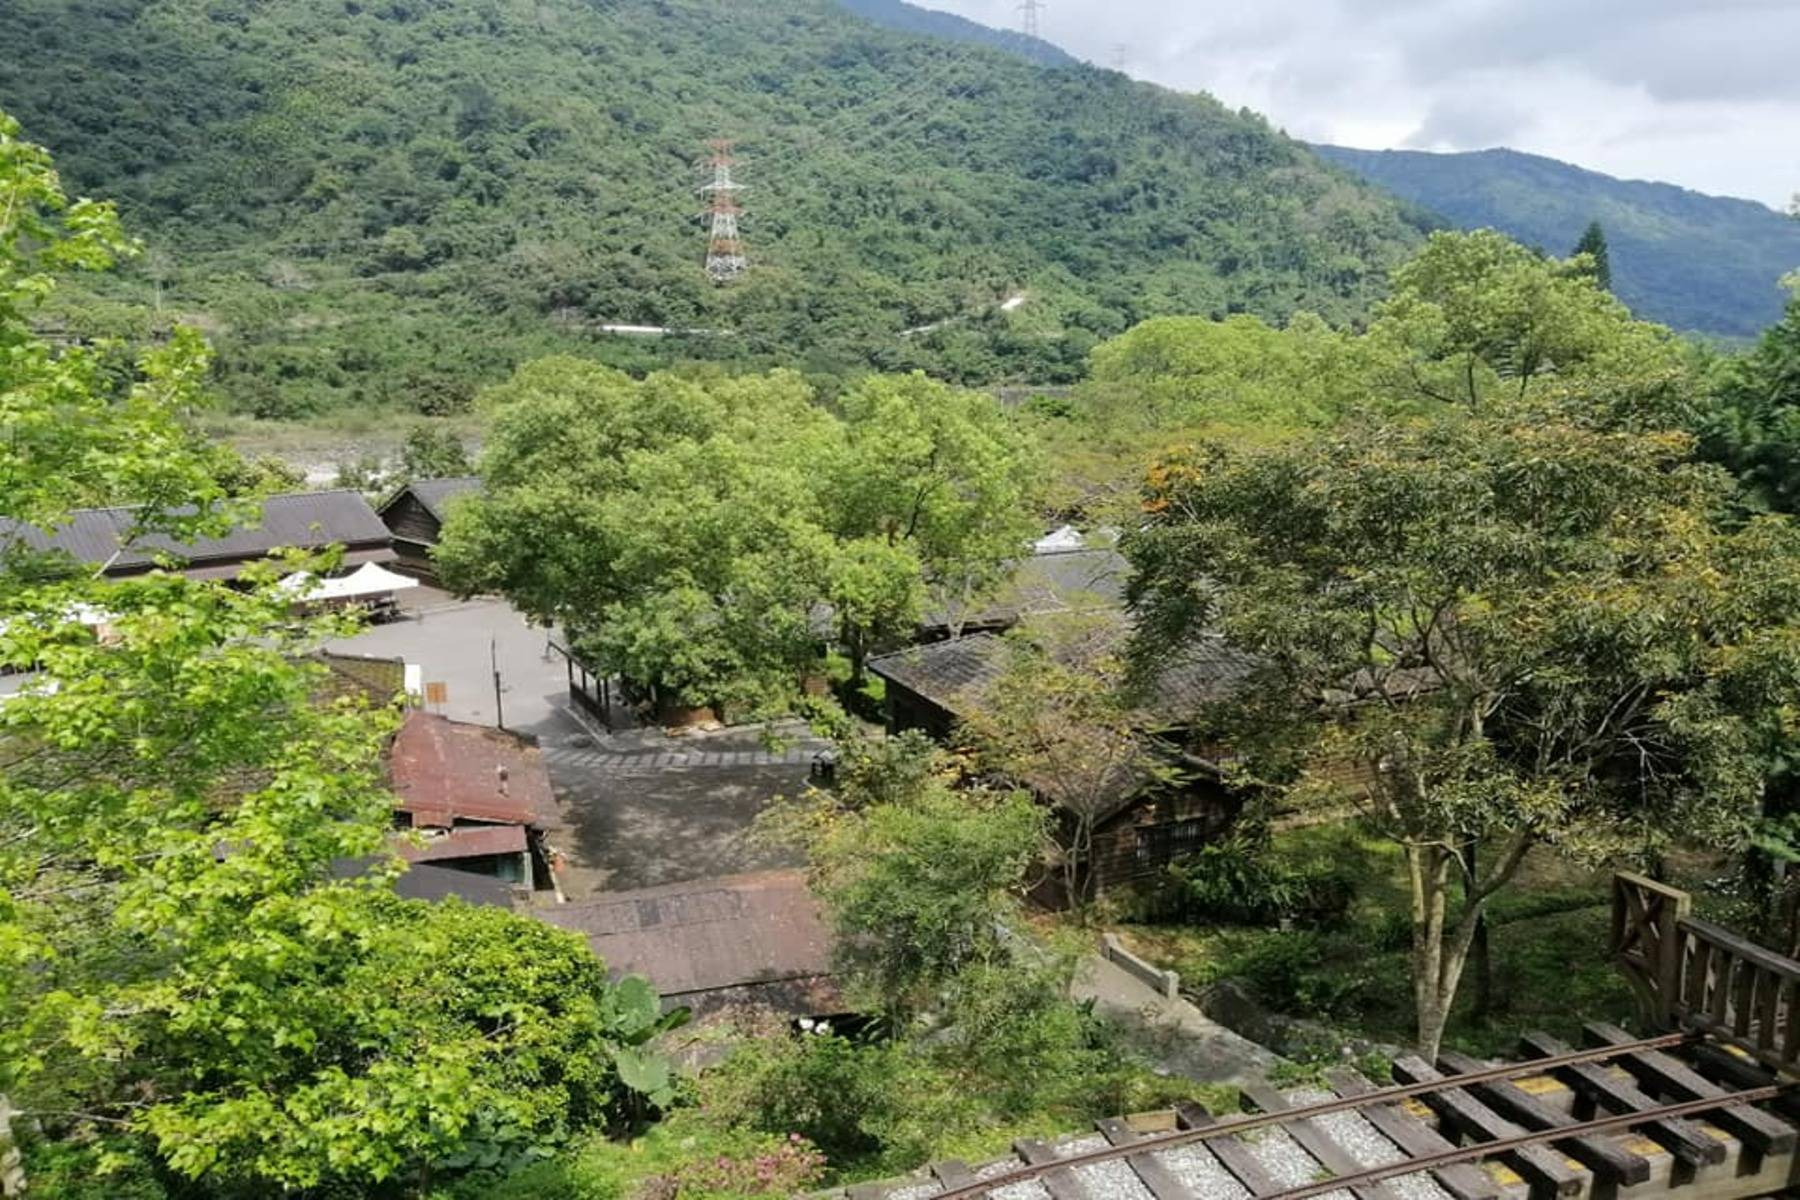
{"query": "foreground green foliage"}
(192, 1001)
(345, 194)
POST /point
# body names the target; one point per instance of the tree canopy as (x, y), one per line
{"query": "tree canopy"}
(1522, 627)
(706, 538)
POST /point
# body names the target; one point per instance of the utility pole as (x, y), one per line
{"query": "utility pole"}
(494, 662)
(1031, 8)
(725, 259)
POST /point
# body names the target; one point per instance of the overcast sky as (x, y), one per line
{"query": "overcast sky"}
(1704, 93)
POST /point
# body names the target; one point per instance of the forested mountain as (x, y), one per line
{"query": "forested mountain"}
(1708, 264)
(910, 18)
(393, 201)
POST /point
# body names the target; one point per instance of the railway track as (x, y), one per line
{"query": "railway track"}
(1681, 1113)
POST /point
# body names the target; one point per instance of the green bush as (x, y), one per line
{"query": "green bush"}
(1246, 879)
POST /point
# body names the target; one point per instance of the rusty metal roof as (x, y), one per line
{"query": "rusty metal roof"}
(444, 771)
(758, 935)
(308, 520)
(466, 841)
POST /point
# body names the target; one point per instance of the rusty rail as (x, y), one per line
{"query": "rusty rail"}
(1485, 1150)
(1233, 1126)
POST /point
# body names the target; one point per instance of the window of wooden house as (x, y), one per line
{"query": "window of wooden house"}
(1159, 845)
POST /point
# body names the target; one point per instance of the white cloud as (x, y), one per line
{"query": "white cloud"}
(1703, 93)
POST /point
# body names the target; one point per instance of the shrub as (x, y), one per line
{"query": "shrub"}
(1245, 879)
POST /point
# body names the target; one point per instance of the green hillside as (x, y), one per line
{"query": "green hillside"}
(393, 201)
(1708, 264)
(910, 18)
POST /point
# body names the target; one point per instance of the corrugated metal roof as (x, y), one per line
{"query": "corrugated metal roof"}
(713, 936)
(308, 520)
(444, 771)
(466, 841)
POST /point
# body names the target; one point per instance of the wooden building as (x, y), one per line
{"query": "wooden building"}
(415, 516)
(1141, 829)
(101, 538)
(480, 797)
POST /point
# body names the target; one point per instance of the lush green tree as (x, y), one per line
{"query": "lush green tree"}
(920, 877)
(1476, 319)
(1593, 244)
(692, 533)
(932, 499)
(433, 452)
(188, 992)
(1473, 320)
(1523, 627)
(1754, 426)
(671, 525)
(1239, 374)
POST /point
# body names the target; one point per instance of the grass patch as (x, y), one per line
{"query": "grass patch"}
(1548, 934)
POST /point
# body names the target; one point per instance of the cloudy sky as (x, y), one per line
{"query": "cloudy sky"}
(1704, 93)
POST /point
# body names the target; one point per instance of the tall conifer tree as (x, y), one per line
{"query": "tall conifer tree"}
(1593, 241)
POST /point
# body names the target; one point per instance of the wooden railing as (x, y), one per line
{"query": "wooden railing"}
(1692, 974)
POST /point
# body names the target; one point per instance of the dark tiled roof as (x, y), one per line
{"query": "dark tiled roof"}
(435, 493)
(445, 771)
(715, 937)
(1060, 581)
(309, 520)
(948, 673)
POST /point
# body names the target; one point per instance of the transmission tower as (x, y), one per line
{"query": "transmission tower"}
(725, 259)
(1031, 8)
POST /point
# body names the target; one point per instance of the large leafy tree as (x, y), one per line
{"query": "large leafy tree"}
(693, 534)
(1754, 425)
(187, 991)
(1524, 628)
(920, 877)
(934, 481)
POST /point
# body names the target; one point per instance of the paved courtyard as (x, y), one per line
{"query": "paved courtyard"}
(642, 809)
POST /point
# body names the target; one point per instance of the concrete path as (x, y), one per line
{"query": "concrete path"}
(1178, 1038)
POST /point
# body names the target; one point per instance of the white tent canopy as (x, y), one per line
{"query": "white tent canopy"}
(370, 579)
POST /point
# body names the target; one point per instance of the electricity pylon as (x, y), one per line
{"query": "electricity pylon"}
(725, 259)
(1031, 8)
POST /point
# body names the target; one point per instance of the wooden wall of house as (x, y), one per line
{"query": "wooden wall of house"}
(409, 519)
(908, 710)
(1141, 841)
